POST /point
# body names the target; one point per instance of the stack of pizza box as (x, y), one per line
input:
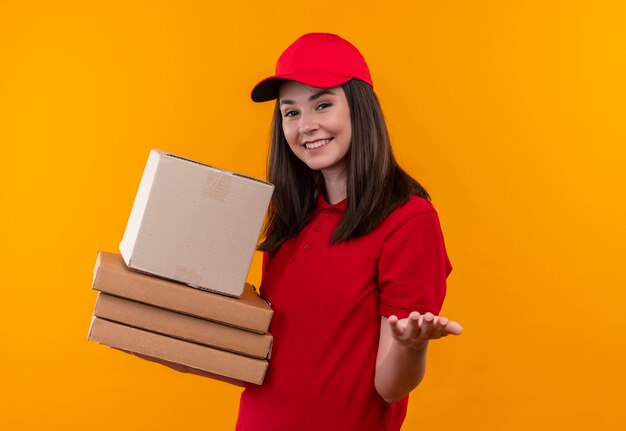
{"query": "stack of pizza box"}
(177, 293)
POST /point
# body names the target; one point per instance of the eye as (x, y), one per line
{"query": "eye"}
(290, 113)
(324, 105)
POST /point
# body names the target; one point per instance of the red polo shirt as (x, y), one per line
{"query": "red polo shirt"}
(327, 303)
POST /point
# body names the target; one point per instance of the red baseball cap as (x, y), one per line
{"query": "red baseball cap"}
(320, 60)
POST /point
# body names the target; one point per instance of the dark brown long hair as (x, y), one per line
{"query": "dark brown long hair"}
(376, 184)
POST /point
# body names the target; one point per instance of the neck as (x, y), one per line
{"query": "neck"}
(336, 185)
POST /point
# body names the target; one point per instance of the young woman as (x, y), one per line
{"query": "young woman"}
(354, 261)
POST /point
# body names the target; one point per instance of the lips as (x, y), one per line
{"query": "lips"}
(311, 145)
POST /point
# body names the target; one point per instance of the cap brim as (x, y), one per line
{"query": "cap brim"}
(267, 89)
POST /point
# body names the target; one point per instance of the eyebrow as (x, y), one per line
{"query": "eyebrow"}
(311, 98)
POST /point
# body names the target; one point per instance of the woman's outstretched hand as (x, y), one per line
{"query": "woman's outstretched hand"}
(416, 330)
(401, 359)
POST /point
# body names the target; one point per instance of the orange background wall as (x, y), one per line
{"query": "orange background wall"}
(511, 113)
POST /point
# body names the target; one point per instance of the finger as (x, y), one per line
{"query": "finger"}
(413, 324)
(426, 328)
(395, 327)
(439, 329)
(454, 328)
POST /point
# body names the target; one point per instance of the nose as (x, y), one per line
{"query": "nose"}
(308, 124)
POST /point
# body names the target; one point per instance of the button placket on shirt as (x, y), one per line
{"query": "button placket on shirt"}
(316, 228)
(311, 237)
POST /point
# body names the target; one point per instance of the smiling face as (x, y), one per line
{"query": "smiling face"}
(316, 124)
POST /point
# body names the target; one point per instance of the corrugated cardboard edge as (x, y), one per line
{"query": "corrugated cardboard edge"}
(259, 224)
(218, 169)
(182, 326)
(89, 338)
(95, 269)
(139, 206)
(178, 351)
(269, 353)
(103, 270)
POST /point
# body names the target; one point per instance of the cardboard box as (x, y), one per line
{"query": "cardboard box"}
(194, 223)
(231, 365)
(250, 312)
(182, 326)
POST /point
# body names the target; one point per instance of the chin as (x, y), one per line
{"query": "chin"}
(315, 166)
(318, 166)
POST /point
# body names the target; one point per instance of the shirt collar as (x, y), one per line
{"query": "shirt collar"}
(323, 205)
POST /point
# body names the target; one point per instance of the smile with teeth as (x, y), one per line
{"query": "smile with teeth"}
(317, 144)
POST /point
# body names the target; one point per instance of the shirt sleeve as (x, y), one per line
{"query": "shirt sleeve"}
(413, 267)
